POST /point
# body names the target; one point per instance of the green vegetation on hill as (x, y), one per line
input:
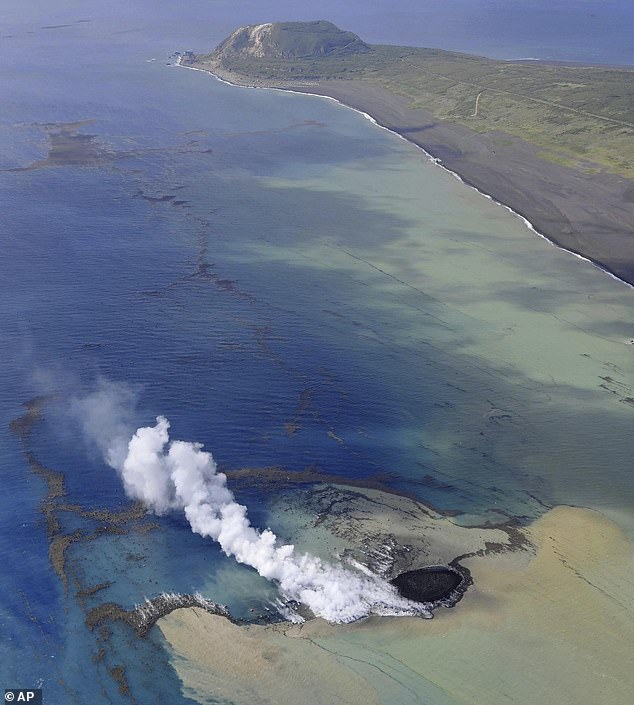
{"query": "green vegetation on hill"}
(580, 116)
(304, 39)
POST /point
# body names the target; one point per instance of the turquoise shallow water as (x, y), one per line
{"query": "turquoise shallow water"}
(247, 260)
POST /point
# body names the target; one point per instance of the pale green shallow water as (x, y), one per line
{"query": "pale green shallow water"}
(539, 371)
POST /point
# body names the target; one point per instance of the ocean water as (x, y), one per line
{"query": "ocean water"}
(292, 286)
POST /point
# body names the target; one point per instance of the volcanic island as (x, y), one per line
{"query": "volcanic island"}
(553, 142)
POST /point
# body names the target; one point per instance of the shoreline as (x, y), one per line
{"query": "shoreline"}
(334, 90)
(553, 594)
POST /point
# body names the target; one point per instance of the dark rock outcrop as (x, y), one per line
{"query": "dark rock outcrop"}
(431, 584)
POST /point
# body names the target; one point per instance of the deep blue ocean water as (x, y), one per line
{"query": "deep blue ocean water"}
(192, 304)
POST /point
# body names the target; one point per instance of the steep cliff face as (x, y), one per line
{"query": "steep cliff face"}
(287, 40)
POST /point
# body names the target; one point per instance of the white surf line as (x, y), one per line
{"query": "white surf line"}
(435, 160)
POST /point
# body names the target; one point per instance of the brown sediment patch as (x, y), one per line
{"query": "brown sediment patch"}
(292, 426)
(54, 479)
(59, 544)
(107, 612)
(268, 665)
(117, 673)
(112, 517)
(276, 477)
(55, 490)
(204, 271)
(93, 590)
(69, 146)
(144, 616)
(145, 527)
(121, 521)
(22, 425)
(54, 483)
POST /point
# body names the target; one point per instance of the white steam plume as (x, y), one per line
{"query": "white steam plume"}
(105, 416)
(176, 475)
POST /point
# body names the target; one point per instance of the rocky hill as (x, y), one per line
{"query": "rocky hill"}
(288, 40)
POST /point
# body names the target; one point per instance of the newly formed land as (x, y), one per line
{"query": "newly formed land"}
(554, 142)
